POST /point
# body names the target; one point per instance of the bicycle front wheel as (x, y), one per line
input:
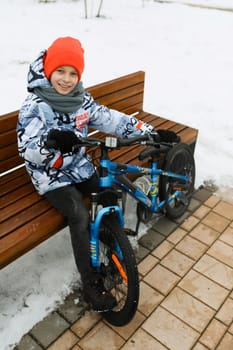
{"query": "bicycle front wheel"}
(178, 160)
(119, 271)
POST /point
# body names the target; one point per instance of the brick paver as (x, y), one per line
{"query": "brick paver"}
(186, 291)
(189, 309)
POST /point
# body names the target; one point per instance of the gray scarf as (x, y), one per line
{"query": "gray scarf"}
(62, 103)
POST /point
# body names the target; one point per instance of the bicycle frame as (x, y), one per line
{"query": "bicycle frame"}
(114, 173)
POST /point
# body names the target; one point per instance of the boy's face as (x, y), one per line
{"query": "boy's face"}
(64, 79)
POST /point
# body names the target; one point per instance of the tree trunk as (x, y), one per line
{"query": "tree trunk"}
(100, 6)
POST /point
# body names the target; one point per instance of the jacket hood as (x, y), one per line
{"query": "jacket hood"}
(36, 75)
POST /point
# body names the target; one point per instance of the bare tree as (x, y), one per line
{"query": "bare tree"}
(86, 8)
(100, 6)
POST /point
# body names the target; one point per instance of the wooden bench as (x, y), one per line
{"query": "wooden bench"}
(27, 219)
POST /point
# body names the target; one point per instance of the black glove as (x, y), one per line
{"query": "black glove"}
(64, 139)
(165, 136)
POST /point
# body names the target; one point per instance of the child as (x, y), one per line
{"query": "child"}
(58, 108)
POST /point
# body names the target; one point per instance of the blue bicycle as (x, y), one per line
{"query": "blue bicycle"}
(165, 191)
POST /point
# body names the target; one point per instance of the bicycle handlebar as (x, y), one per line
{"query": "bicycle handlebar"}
(112, 142)
(82, 141)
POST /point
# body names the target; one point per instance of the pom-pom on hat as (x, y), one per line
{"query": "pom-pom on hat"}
(65, 51)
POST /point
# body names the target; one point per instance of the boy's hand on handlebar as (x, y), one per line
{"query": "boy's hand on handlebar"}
(165, 136)
(64, 139)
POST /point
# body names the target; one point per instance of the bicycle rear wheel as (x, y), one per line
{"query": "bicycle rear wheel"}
(119, 271)
(179, 160)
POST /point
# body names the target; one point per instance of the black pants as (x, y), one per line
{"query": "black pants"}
(68, 201)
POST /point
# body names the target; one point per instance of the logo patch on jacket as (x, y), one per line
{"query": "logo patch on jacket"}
(81, 120)
(57, 161)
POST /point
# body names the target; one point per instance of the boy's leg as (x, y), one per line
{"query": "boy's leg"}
(69, 202)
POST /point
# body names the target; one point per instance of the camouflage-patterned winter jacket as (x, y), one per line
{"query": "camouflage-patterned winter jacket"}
(49, 169)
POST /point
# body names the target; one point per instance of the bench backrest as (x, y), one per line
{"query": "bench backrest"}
(124, 94)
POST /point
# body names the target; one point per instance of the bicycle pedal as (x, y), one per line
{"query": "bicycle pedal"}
(130, 232)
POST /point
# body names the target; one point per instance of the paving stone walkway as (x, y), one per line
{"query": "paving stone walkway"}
(186, 291)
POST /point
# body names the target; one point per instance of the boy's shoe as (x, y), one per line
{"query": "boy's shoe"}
(95, 293)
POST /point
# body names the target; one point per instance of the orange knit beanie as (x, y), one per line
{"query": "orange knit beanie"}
(64, 52)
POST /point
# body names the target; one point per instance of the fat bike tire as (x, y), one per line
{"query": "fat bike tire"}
(179, 160)
(119, 273)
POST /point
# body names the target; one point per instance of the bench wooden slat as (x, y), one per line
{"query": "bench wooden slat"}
(10, 163)
(29, 236)
(19, 205)
(8, 138)
(101, 90)
(15, 195)
(132, 108)
(8, 121)
(12, 175)
(24, 216)
(8, 151)
(14, 183)
(131, 94)
(28, 219)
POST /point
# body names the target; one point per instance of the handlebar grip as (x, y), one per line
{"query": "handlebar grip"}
(51, 144)
(131, 140)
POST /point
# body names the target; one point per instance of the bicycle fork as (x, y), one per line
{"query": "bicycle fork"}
(95, 225)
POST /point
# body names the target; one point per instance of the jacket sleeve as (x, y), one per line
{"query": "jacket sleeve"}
(32, 132)
(114, 122)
